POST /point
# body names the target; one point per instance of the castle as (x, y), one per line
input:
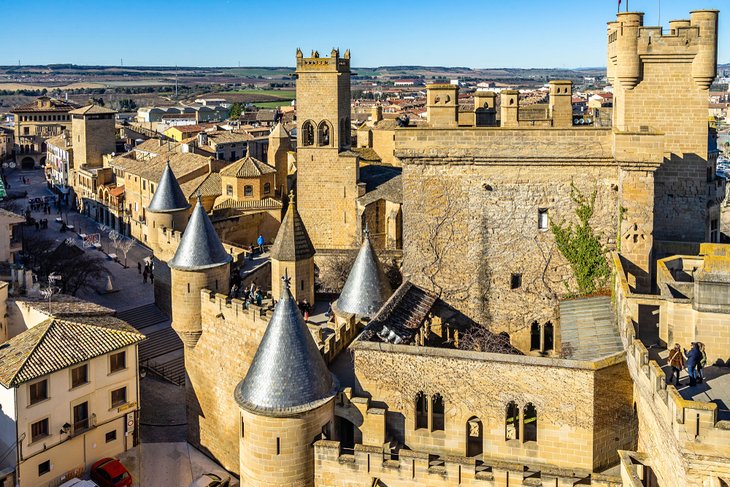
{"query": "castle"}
(542, 404)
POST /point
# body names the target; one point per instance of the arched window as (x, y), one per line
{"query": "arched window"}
(549, 340)
(535, 336)
(529, 418)
(323, 134)
(512, 422)
(307, 133)
(248, 190)
(267, 188)
(437, 413)
(474, 437)
(421, 411)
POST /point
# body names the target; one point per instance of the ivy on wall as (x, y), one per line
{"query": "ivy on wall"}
(581, 247)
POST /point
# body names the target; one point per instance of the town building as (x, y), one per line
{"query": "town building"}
(6, 144)
(12, 231)
(70, 389)
(36, 122)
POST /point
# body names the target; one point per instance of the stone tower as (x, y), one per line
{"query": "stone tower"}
(200, 262)
(286, 402)
(661, 83)
(168, 208)
(443, 105)
(278, 156)
(293, 254)
(93, 135)
(561, 103)
(327, 171)
(366, 288)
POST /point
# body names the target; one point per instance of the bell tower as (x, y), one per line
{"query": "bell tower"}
(327, 172)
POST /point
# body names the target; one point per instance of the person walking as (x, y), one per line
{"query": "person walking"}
(139, 267)
(676, 360)
(259, 297)
(152, 277)
(260, 243)
(693, 359)
(144, 276)
(702, 363)
(306, 308)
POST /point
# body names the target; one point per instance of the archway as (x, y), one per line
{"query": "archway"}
(27, 163)
(474, 437)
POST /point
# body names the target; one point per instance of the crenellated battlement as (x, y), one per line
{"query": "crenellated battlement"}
(316, 63)
(630, 44)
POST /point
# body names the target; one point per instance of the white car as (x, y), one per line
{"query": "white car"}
(211, 480)
(78, 483)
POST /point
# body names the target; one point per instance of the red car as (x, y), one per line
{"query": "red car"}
(109, 472)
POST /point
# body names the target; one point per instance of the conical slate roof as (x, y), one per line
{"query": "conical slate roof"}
(200, 247)
(292, 242)
(168, 197)
(288, 374)
(366, 288)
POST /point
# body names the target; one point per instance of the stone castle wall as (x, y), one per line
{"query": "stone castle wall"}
(215, 366)
(570, 434)
(470, 218)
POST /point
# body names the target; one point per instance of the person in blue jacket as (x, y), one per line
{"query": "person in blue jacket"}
(694, 356)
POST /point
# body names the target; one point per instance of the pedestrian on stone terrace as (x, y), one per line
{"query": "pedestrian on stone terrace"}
(260, 243)
(702, 363)
(693, 359)
(676, 360)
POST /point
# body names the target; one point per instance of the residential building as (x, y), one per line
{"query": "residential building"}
(6, 143)
(12, 232)
(36, 122)
(66, 403)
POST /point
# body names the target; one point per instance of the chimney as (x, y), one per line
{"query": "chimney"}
(377, 113)
(561, 103)
(509, 108)
(443, 105)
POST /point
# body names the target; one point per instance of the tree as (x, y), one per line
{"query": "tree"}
(236, 111)
(121, 243)
(78, 269)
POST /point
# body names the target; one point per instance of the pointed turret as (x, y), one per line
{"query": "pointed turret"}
(288, 374)
(278, 156)
(293, 254)
(366, 288)
(168, 210)
(168, 196)
(285, 400)
(200, 247)
(200, 262)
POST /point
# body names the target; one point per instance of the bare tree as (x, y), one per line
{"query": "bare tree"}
(124, 245)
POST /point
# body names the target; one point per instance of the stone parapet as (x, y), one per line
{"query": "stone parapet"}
(694, 424)
(415, 468)
(497, 145)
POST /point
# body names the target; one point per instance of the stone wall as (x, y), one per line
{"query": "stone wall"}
(480, 385)
(470, 216)
(213, 374)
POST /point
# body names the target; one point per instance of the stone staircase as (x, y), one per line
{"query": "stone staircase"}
(143, 316)
(587, 329)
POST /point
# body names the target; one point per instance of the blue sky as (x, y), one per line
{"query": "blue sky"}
(474, 33)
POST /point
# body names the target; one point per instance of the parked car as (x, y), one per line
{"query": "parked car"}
(211, 480)
(109, 472)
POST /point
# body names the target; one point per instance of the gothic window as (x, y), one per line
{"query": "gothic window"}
(323, 134)
(512, 422)
(421, 411)
(437, 413)
(474, 437)
(267, 188)
(535, 336)
(549, 339)
(248, 190)
(307, 133)
(529, 419)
